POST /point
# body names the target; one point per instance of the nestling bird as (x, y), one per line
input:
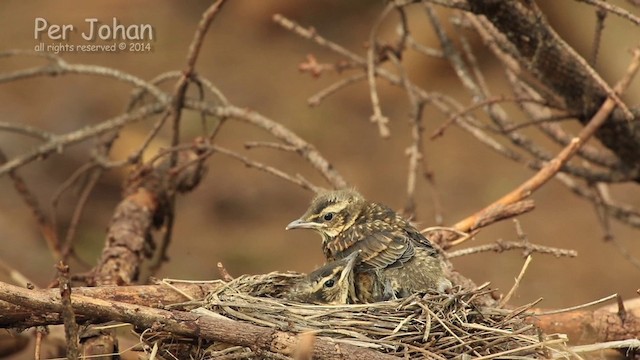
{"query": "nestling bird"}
(330, 284)
(395, 259)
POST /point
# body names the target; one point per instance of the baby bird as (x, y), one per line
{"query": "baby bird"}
(395, 259)
(330, 284)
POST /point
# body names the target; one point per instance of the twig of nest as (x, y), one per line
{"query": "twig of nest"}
(434, 326)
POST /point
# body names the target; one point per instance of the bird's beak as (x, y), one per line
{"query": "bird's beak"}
(303, 224)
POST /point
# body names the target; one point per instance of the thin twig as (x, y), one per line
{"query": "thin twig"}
(45, 225)
(174, 112)
(271, 145)
(415, 153)
(192, 56)
(317, 98)
(58, 66)
(224, 273)
(601, 15)
(70, 325)
(578, 307)
(623, 213)
(16, 276)
(498, 115)
(82, 134)
(26, 130)
(552, 168)
(67, 246)
(621, 344)
(513, 289)
(298, 179)
(602, 212)
(501, 245)
(628, 255)
(41, 331)
(494, 100)
(540, 115)
(616, 10)
(377, 117)
(306, 150)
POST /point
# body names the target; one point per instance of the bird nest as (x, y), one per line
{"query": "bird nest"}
(434, 326)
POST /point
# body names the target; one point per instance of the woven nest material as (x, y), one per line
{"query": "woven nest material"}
(434, 326)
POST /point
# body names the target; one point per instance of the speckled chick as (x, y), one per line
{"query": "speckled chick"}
(330, 284)
(395, 259)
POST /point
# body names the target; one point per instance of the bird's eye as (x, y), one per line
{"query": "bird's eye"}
(329, 283)
(328, 216)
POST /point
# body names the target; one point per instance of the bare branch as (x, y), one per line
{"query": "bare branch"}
(298, 179)
(614, 10)
(47, 229)
(377, 117)
(59, 142)
(306, 150)
(549, 170)
(69, 317)
(526, 247)
(188, 324)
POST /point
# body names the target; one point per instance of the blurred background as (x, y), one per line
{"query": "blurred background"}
(237, 215)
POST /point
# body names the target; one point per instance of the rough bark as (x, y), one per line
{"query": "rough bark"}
(183, 323)
(560, 68)
(581, 326)
(16, 316)
(585, 326)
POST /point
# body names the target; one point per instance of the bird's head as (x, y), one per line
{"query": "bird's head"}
(331, 212)
(330, 284)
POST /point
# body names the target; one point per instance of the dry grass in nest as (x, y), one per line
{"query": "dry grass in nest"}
(433, 326)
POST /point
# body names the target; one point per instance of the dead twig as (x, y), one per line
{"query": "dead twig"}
(298, 179)
(174, 113)
(194, 325)
(549, 170)
(513, 289)
(306, 150)
(378, 118)
(224, 273)
(68, 315)
(47, 229)
(88, 132)
(526, 247)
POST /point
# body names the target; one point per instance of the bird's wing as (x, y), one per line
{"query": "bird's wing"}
(381, 248)
(420, 240)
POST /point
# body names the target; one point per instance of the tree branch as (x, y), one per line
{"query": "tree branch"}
(559, 67)
(188, 324)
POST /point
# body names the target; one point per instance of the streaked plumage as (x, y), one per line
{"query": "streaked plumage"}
(330, 284)
(395, 258)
